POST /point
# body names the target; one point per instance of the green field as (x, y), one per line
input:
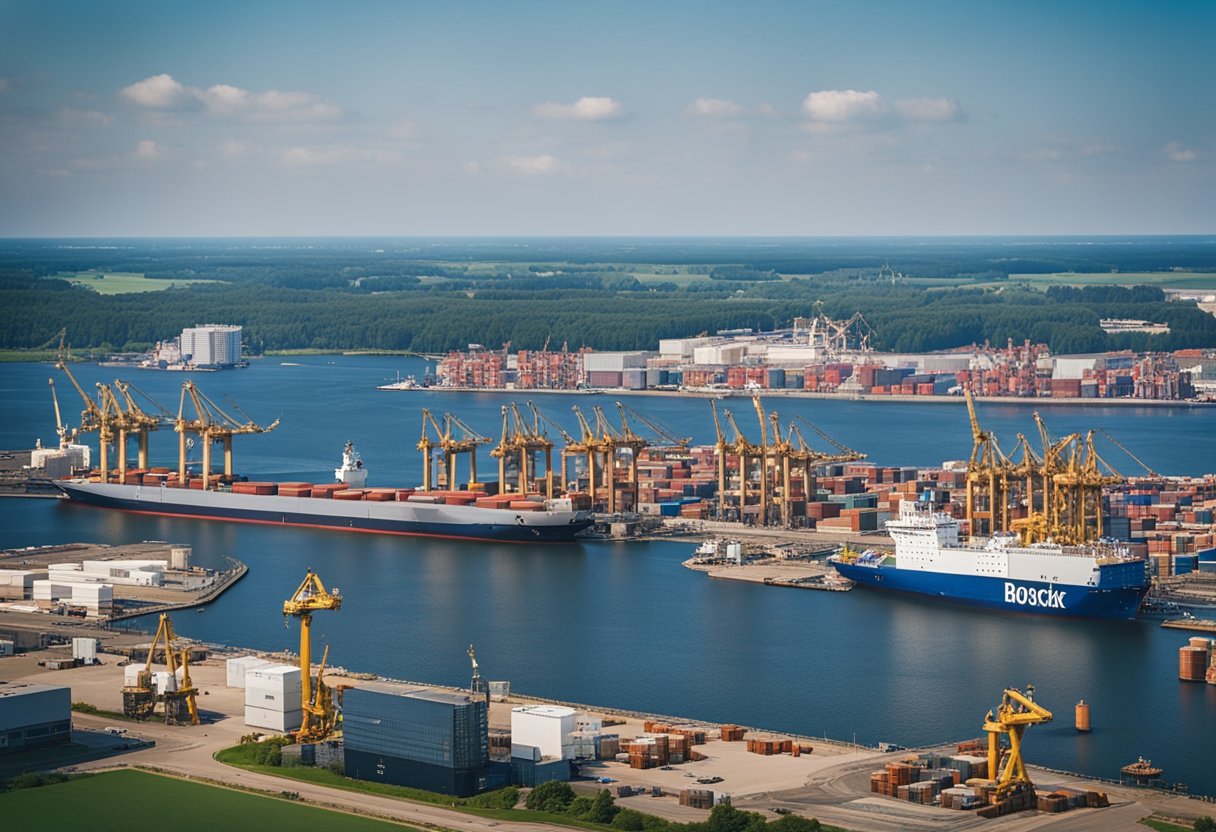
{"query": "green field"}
(1166, 280)
(121, 283)
(125, 800)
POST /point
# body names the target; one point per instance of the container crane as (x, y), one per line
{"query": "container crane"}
(987, 479)
(92, 418)
(139, 700)
(426, 445)
(594, 449)
(519, 441)
(319, 719)
(571, 448)
(1013, 716)
(764, 475)
(135, 418)
(677, 442)
(612, 441)
(211, 424)
(746, 451)
(720, 448)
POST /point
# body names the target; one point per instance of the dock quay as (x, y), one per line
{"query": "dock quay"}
(144, 578)
(828, 782)
(1199, 625)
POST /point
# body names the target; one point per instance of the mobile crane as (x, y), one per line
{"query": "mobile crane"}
(320, 719)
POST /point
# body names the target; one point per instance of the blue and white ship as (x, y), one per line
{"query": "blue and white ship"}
(1096, 580)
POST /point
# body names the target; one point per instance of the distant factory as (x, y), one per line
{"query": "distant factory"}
(203, 347)
(825, 356)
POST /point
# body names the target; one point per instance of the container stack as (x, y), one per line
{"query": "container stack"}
(697, 798)
(273, 696)
(732, 733)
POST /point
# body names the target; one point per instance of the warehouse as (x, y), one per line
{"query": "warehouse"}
(34, 716)
(420, 738)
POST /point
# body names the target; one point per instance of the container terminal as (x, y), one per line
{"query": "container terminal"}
(185, 702)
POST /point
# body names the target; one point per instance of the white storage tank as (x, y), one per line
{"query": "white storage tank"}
(130, 674)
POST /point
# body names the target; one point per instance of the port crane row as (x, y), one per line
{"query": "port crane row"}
(1052, 492)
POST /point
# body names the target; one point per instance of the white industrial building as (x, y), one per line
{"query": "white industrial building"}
(18, 584)
(123, 572)
(730, 353)
(614, 361)
(274, 697)
(239, 666)
(211, 345)
(97, 599)
(58, 463)
(546, 728)
(681, 348)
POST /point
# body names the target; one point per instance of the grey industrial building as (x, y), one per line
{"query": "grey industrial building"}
(419, 738)
(34, 716)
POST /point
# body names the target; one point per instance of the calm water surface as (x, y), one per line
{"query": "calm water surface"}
(624, 624)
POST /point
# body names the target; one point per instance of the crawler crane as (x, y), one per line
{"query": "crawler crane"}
(319, 719)
(139, 700)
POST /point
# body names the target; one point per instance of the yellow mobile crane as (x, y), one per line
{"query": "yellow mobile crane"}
(139, 700)
(66, 435)
(319, 719)
(93, 418)
(1013, 716)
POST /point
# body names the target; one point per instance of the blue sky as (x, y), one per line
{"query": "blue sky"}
(560, 118)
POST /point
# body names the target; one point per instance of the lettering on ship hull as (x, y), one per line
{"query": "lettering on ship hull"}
(1028, 597)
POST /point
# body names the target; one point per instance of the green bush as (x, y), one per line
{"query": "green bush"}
(1205, 824)
(629, 820)
(554, 796)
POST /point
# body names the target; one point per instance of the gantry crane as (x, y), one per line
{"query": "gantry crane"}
(720, 447)
(613, 440)
(139, 700)
(319, 720)
(477, 686)
(593, 446)
(673, 441)
(746, 452)
(134, 418)
(92, 418)
(468, 443)
(1013, 716)
(211, 424)
(1080, 488)
(426, 446)
(763, 457)
(987, 479)
(572, 449)
(519, 441)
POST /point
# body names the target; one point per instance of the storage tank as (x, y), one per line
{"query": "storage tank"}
(1082, 720)
(179, 557)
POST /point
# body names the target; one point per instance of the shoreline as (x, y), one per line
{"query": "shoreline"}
(702, 393)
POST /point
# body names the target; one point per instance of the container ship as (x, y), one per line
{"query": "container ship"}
(345, 505)
(1096, 580)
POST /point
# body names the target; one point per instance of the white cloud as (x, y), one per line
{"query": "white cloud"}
(149, 150)
(766, 110)
(164, 92)
(310, 156)
(714, 108)
(86, 116)
(533, 165)
(587, 108)
(1175, 152)
(158, 92)
(841, 106)
(233, 149)
(928, 109)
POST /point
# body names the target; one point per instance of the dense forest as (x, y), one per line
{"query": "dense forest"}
(437, 295)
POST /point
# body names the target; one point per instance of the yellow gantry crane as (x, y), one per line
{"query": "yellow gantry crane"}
(134, 418)
(66, 435)
(319, 720)
(572, 448)
(211, 424)
(93, 417)
(1013, 716)
(592, 445)
(426, 446)
(139, 700)
(987, 480)
(519, 441)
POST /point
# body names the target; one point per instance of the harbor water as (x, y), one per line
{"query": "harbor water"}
(623, 624)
